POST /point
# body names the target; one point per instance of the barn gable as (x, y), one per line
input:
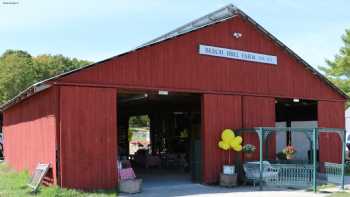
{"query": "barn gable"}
(240, 91)
(174, 63)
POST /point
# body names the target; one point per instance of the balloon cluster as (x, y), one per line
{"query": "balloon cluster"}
(230, 141)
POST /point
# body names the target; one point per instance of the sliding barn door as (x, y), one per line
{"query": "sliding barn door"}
(259, 112)
(330, 115)
(88, 149)
(218, 112)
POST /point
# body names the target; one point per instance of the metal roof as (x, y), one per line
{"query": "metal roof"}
(221, 14)
(217, 16)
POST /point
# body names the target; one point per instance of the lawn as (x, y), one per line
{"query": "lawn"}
(15, 184)
(340, 194)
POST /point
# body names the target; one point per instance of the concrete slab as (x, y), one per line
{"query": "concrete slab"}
(162, 183)
(198, 190)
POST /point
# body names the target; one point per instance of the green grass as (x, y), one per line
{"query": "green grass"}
(13, 184)
(340, 194)
(326, 186)
(321, 187)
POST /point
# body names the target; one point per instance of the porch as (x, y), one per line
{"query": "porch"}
(269, 171)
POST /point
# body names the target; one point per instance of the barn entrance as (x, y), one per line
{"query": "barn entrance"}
(159, 135)
(295, 113)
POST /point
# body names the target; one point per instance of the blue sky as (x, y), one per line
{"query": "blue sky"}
(95, 30)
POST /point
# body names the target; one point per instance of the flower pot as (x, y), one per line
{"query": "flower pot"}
(289, 156)
(248, 155)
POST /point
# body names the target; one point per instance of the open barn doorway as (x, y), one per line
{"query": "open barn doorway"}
(297, 113)
(159, 135)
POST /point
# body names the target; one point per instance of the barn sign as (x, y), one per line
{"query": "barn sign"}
(237, 54)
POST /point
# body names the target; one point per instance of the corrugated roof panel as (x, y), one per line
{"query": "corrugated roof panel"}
(216, 16)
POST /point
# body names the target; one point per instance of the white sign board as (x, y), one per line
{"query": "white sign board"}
(237, 54)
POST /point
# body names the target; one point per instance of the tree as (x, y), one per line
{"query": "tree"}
(19, 70)
(139, 121)
(338, 70)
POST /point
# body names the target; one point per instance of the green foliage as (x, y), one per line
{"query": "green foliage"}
(19, 70)
(340, 194)
(338, 70)
(281, 156)
(14, 184)
(139, 121)
(248, 148)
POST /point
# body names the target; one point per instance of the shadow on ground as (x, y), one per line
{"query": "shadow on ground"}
(170, 184)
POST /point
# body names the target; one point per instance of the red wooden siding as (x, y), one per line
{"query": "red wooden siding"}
(30, 132)
(88, 137)
(219, 112)
(330, 115)
(80, 115)
(259, 112)
(176, 65)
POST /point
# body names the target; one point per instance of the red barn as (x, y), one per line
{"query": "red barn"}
(220, 71)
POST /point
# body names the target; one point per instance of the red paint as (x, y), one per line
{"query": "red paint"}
(259, 112)
(30, 132)
(176, 64)
(330, 115)
(88, 138)
(235, 94)
(218, 113)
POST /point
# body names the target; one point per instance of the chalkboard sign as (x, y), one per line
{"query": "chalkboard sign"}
(38, 176)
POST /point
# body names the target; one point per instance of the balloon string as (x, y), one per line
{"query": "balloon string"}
(229, 157)
(223, 156)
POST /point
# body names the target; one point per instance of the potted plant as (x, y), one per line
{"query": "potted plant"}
(248, 150)
(281, 156)
(289, 151)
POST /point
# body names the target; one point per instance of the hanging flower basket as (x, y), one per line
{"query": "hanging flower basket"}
(248, 150)
(289, 156)
(289, 151)
(249, 156)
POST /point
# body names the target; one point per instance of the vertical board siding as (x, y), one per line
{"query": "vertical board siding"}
(87, 116)
(30, 133)
(88, 137)
(259, 112)
(330, 115)
(175, 64)
(218, 112)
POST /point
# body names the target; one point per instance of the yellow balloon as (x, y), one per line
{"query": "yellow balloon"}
(227, 135)
(238, 140)
(235, 143)
(238, 148)
(232, 143)
(226, 146)
(221, 144)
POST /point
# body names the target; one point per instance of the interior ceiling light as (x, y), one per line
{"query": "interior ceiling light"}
(296, 100)
(162, 92)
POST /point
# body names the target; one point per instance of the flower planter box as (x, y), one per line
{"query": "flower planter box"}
(130, 186)
(228, 180)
